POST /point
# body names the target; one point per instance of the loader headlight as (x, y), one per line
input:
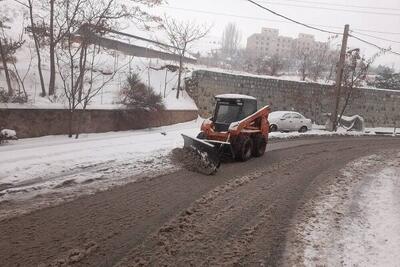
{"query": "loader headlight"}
(233, 126)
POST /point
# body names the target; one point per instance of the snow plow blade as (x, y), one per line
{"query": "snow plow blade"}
(205, 157)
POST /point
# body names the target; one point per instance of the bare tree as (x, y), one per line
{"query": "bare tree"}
(275, 63)
(37, 30)
(8, 48)
(4, 58)
(5, 66)
(181, 35)
(354, 75)
(21, 77)
(77, 57)
(322, 58)
(230, 41)
(304, 61)
(269, 65)
(51, 26)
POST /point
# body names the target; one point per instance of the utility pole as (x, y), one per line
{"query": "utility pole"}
(339, 76)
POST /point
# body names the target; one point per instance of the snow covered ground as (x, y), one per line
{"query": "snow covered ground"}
(355, 221)
(64, 168)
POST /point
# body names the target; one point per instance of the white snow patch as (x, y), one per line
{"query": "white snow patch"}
(235, 96)
(355, 220)
(373, 237)
(317, 130)
(8, 133)
(185, 102)
(64, 166)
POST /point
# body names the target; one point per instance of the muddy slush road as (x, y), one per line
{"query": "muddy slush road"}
(240, 216)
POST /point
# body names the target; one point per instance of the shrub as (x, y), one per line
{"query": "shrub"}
(136, 94)
(6, 98)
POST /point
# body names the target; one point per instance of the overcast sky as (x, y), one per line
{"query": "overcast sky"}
(210, 12)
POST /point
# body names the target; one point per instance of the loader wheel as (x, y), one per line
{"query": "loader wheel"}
(244, 148)
(259, 145)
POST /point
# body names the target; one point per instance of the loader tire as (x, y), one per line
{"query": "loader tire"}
(259, 145)
(244, 148)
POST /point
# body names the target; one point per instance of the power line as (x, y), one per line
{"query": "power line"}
(300, 23)
(272, 20)
(376, 37)
(292, 20)
(388, 50)
(339, 5)
(334, 9)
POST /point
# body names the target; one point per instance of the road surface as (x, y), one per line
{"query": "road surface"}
(238, 217)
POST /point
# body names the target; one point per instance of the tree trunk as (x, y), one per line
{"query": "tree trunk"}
(37, 49)
(82, 70)
(4, 60)
(70, 119)
(165, 81)
(78, 123)
(303, 74)
(346, 103)
(52, 51)
(179, 76)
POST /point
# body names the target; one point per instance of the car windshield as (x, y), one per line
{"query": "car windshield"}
(227, 113)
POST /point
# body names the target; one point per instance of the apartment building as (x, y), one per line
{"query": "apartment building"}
(269, 42)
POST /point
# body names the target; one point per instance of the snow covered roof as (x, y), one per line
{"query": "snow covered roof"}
(235, 96)
(278, 114)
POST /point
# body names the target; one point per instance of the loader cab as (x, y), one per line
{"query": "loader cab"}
(230, 108)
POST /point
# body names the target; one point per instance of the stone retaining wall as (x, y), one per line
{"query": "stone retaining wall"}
(378, 107)
(41, 122)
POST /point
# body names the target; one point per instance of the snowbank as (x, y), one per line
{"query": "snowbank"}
(7, 133)
(354, 220)
(62, 168)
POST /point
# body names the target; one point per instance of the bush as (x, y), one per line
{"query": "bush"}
(6, 98)
(388, 81)
(136, 94)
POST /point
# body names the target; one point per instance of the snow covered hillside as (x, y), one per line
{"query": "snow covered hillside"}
(152, 72)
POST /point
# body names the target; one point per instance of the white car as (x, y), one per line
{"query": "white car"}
(288, 121)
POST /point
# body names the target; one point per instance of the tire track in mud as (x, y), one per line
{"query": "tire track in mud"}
(244, 221)
(238, 217)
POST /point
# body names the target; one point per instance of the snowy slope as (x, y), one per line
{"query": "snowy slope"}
(164, 82)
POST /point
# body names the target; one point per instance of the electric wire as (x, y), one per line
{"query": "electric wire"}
(388, 50)
(333, 9)
(272, 20)
(339, 5)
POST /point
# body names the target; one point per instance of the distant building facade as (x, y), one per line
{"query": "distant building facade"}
(269, 43)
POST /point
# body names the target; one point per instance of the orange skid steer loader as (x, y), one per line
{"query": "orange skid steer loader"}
(236, 129)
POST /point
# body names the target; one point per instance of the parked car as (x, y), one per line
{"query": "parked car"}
(288, 121)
